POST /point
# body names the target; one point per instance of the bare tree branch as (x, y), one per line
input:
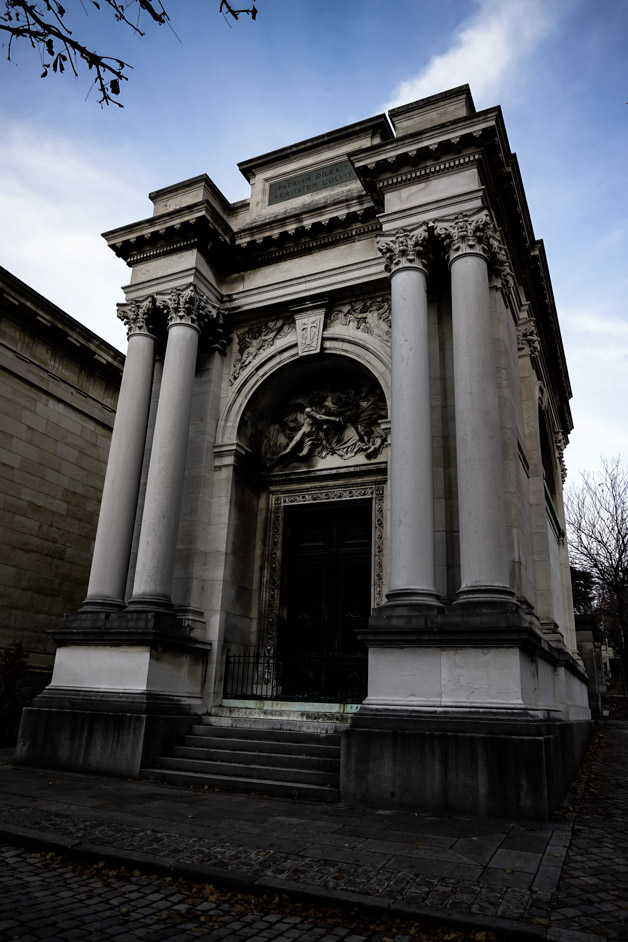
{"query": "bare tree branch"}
(43, 23)
(597, 525)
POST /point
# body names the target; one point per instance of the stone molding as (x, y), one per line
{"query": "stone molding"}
(405, 248)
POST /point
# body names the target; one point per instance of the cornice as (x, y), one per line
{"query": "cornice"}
(36, 314)
(192, 226)
(540, 289)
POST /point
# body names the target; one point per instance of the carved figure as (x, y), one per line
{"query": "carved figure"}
(255, 340)
(371, 316)
(343, 423)
(313, 432)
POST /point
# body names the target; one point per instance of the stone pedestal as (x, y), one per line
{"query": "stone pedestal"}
(486, 718)
(124, 688)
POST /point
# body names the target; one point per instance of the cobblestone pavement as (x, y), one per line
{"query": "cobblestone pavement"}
(566, 880)
(592, 892)
(42, 899)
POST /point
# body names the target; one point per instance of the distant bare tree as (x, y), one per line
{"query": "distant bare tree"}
(597, 524)
(45, 24)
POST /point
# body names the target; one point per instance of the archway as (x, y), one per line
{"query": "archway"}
(314, 437)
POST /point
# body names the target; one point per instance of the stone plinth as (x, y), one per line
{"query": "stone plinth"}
(470, 711)
(124, 687)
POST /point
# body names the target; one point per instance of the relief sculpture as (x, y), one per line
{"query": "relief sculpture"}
(370, 315)
(343, 423)
(257, 339)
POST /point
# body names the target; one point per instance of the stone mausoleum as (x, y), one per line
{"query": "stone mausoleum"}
(332, 522)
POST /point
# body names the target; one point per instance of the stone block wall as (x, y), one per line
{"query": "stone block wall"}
(58, 391)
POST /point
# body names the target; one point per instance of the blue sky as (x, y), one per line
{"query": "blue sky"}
(69, 170)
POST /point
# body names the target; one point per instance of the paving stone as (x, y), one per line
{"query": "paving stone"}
(523, 860)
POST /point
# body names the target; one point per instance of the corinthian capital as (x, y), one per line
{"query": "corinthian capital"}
(475, 234)
(188, 306)
(466, 234)
(137, 315)
(403, 248)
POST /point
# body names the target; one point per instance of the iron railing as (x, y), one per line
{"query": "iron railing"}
(265, 674)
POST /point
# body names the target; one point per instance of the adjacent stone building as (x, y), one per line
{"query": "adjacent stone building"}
(335, 482)
(58, 391)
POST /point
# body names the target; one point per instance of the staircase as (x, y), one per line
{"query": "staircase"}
(289, 758)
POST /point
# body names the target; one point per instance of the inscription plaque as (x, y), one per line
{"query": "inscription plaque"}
(311, 181)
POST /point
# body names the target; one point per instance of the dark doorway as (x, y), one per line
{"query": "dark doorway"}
(325, 598)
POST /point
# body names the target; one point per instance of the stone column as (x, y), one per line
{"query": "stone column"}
(484, 552)
(187, 312)
(412, 567)
(112, 548)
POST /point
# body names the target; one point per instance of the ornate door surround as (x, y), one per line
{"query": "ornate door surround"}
(290, 495)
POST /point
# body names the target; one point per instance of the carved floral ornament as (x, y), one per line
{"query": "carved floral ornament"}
(405, 248)
(559, 441)
(367, 315)
(528, 343)
(464, 234)
(187, 305)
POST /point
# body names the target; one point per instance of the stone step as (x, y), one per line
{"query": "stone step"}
(316, 748)
(303, 760)
(239, 770)
(267, 733)
(260, 786)
(307, 722)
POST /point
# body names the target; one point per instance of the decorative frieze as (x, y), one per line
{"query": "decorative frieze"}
(257, 339)
(405, 248)
(372, 316)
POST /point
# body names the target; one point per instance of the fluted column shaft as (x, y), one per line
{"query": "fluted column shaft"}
(484, 554)
(412, 562)
(112, 548)
(154, 570)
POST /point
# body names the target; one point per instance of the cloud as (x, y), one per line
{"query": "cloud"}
(596, 344)
(486, 52)
(56, 196)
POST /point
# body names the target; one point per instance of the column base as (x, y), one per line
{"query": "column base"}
(103, 603)
(484, 595)
(150, 603)
(416, 597)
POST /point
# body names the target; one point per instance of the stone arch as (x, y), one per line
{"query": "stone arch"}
(370, 356)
